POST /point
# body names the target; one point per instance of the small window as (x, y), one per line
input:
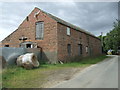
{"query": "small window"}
(27, 18)
(86, 49)
(6, 46)
(68, 31)
(69, 49)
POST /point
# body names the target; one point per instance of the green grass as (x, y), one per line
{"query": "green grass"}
(18, 77)
(93, 60)
(0, 80)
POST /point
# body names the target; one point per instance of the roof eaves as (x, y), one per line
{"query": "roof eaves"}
(68, 24)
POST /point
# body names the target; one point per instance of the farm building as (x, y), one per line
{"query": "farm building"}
(56, 38)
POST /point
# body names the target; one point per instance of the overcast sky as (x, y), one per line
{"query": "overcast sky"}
(95, 17)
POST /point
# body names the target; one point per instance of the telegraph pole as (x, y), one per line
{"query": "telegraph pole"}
(102, 41)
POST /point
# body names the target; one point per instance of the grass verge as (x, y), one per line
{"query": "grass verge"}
(18, 77)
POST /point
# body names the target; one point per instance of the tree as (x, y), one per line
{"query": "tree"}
(112, 39)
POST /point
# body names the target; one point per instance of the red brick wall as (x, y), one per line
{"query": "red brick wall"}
(74, 39)
(27, 28)
(54, 44)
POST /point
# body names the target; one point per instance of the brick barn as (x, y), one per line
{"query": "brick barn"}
(57, 38)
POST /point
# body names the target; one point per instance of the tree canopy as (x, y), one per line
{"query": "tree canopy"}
(112, 39)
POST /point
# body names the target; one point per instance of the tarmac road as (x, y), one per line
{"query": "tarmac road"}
(101, 75)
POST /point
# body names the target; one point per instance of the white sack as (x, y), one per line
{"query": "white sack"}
(27, 61)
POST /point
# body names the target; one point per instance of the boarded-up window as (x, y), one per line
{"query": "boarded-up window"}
(69, 49)
(79, 49)
(39, 30)
(86, 49)
(68, 31)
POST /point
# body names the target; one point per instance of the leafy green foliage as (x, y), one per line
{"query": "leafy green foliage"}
(112, 39)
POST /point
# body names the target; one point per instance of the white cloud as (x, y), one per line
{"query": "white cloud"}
(94, 17)
(4, 33)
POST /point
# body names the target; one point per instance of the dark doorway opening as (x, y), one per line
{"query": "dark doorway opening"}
(79, 49)
(6, 46)
(28, 46)
(69, 49)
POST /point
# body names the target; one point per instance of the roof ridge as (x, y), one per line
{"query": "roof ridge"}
(66, 23)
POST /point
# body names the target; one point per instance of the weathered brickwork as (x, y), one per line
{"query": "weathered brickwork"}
(27, 29)
(55, 41)
(76, 37)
